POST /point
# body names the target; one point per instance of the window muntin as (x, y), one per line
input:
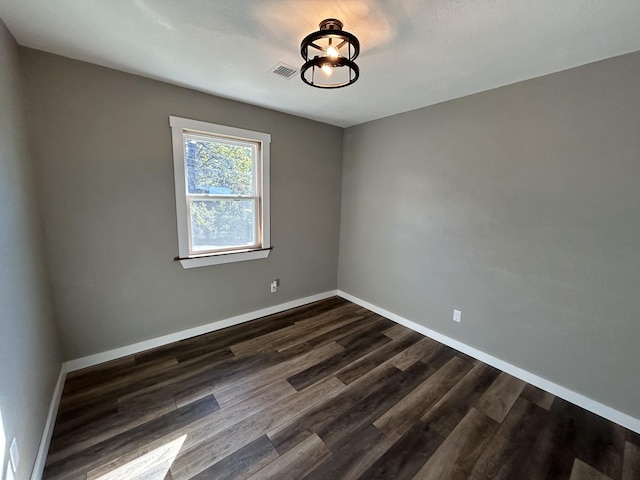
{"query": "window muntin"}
(222, 192)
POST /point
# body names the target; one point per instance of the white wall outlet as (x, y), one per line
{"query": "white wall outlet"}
(3, 444)
(14, 456)
(274, 285)
(9, 471)
(457, 315)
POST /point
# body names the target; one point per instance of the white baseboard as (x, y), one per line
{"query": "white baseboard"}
(587, 403)
(41, 457)
(91, 360)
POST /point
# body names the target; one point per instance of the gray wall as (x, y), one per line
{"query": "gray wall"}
(102, 147)
(30, 358)
(520, 206)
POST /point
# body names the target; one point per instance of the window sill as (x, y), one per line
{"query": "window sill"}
(219, 259)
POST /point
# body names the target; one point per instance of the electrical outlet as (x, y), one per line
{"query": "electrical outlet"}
(274, 285)
(3, 444)
(14, 456)
(457, 315)
(9, 471)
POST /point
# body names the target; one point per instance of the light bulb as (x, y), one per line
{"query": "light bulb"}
(332, 52)
(327, 70)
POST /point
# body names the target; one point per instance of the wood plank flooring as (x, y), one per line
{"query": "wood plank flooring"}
(325, 391)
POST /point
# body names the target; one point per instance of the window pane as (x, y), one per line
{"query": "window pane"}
(218, 167)
(222, 223)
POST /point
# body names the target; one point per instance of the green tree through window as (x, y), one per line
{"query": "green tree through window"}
(221, 187)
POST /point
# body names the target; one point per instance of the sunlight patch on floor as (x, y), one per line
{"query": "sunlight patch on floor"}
(151, 466)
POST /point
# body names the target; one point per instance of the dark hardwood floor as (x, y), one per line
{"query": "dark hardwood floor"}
(325, 391)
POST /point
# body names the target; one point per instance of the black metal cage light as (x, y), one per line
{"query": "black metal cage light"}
(329, 56)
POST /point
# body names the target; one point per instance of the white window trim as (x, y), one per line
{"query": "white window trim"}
(178, 125)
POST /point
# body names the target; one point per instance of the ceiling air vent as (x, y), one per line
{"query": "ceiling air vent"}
(284, 70)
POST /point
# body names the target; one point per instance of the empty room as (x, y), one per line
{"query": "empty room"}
(357, 239)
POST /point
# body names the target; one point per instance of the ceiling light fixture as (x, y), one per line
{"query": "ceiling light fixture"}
(329, 56)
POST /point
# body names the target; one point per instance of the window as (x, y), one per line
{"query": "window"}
(222, 192)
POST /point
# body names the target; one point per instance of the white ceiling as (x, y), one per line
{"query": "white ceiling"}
(413, 53)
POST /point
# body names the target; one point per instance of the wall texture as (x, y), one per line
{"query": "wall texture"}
(102, 147)
(521, 207)
(30, 357)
